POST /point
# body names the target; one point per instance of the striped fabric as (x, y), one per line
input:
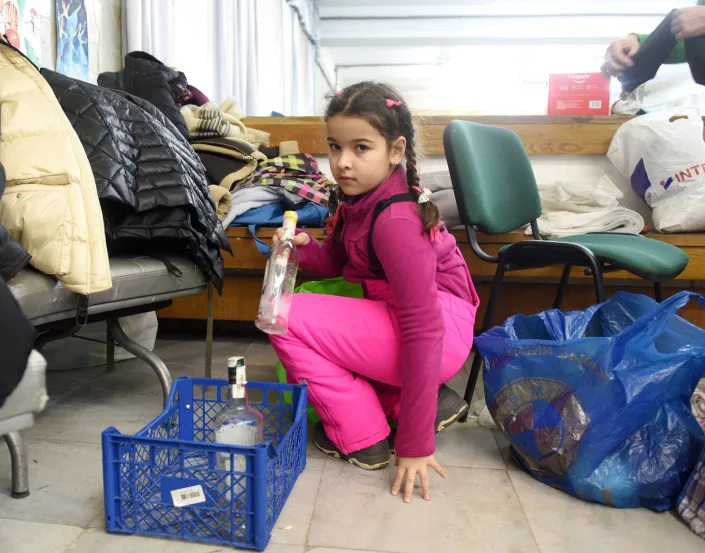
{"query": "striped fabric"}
(298, 174)
(209, 123)
(691, 503)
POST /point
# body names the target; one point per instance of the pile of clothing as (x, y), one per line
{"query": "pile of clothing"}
(583, 207)
(279, 183)
(250, 182)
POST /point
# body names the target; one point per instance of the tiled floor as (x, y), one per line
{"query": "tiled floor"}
(485, 504)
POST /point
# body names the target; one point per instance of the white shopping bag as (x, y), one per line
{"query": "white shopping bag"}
(662, 154)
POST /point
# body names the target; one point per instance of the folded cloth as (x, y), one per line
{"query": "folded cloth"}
(582, 207)
(248, 198)
(210, 120)
(223, 200)
(229, 162)
(298, 174)
(554, 224)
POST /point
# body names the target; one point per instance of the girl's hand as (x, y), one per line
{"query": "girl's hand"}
(688, 22)
(408, 468)
(300, 239)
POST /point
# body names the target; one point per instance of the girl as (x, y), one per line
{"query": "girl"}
(385, 356)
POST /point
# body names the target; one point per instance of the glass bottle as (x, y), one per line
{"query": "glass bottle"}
(279, 281)
(237, 423)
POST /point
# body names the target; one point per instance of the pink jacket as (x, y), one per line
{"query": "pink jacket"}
(415, 269)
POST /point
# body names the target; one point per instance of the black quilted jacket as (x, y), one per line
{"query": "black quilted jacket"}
(147, 77)
(151, 184)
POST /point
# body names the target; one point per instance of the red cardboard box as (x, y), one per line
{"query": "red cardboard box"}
(578, 94)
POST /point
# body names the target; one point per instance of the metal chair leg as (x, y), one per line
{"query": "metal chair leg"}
(597, 279)
(18, 460)
(561, 287)
(494, 294)
(658, 292)
(209, 334)
(143, 353)
(474, 375)
(109, 350)
(486, 323)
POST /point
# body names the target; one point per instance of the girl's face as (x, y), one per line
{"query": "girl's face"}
(359, 155)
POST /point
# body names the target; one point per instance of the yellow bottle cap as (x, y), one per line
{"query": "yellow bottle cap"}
(292, 215)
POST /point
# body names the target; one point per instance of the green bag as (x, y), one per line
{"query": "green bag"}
(333, 287)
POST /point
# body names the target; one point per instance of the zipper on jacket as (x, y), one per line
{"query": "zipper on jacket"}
(54, 179)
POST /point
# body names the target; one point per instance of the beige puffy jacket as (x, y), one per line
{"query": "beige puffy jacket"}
(50, 204)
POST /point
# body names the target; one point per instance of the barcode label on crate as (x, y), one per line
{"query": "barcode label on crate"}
(187, 496)
(595, 104)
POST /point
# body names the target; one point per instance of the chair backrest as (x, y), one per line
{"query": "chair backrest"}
(492, 178)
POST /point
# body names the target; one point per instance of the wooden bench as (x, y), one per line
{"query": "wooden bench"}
(524, 292)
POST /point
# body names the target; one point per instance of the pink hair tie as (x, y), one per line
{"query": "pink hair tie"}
(340, 92)
(417, 189)
(435, 234)
(392, 103)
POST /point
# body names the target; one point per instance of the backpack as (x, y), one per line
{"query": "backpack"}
(375, 266)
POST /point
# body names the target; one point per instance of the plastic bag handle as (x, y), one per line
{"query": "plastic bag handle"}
(262, 247)
(653, 323)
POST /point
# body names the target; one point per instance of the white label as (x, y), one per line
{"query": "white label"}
(188, 496)
(595, 104)
(240, 377)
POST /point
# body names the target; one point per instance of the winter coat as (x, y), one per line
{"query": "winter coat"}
(50, 204)
(152, 186)
(147, 77)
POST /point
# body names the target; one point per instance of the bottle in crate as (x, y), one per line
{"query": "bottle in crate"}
(279, 281)
(238, 423)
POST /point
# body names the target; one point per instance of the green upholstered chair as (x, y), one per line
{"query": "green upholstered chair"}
(496, 192)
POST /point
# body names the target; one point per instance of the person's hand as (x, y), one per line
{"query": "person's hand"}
(618, 56)
(300, 239)
(408, 468)
(688, 22)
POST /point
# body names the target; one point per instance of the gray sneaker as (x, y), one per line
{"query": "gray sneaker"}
(369, 458)
(451, 407)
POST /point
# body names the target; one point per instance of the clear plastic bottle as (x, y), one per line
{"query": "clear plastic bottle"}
(279, 281)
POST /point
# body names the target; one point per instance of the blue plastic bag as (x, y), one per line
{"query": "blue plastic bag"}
(597, 402)
(310, 214)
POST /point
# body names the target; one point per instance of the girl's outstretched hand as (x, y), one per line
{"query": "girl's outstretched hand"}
(408, 468)
(300, 239)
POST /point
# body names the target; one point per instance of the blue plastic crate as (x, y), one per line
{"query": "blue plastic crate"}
(174, 459)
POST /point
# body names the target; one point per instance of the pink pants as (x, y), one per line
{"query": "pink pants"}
(348, 350)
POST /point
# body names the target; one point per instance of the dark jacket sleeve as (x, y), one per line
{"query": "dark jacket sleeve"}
(16, 342)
